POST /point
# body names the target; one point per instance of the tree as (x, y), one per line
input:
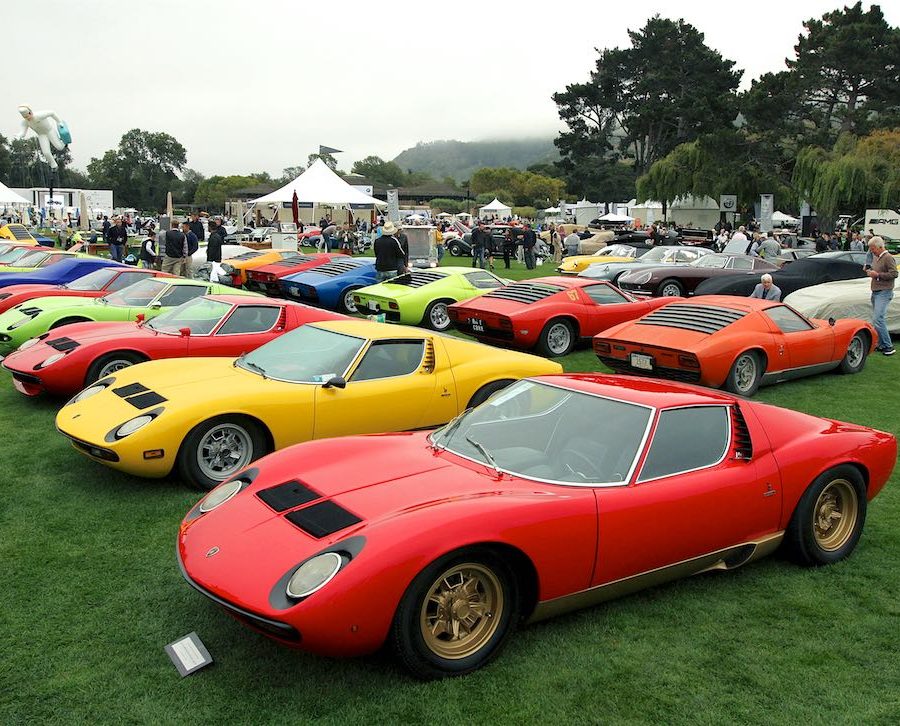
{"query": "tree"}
(380, 171)
(453, 206)
(141, 170)
(214, 191)
(641, 102)
(854, 175)
(186, 188)
(516, 187)
(329, 160)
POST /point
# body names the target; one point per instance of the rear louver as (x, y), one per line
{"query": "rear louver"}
(525, 293)
(417, 279)
(428, 361)
(246, 256)
(698, 318)
(323, 519)
(282, 320)
(333, 269)
(63, 345)
(293, 261)
(741, 441)
(288, 495)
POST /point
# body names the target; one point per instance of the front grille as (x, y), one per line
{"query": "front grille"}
(333, 269)
(697, 318)
(96, 451)
(323, 519)
(674, 374)
(527, 293)
(26, 378)
(417, 279)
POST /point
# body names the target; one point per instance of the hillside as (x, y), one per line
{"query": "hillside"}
(460, 158)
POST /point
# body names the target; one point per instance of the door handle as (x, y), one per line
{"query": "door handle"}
(770, 490)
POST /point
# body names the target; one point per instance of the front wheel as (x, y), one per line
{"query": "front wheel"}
(455, 249)
(855, 358)
(557, 338)
(456, 615)
(437, 316)
(219, 448)
(109, 364)
(745, 374)
(347, 304)
(829, 518)
(671, 288)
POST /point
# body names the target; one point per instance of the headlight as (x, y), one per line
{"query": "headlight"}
(19, 323)
(88, 392)
(314, 574)
(52, 359)
(129, 427)
(641, 279)
(28, 343)
(220, 495)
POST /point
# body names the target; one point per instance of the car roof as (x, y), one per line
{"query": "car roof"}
(636, 389)
(376, 331)
(247, 300)
(744, 304)
(561, 281)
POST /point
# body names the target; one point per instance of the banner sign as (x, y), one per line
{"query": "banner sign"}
(766, 208)
(393, 201)
(728, 202)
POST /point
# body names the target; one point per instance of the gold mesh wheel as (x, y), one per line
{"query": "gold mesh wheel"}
(835, 514)
(462, 611)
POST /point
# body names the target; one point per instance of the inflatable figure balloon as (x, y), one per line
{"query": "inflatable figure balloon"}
(50, 131)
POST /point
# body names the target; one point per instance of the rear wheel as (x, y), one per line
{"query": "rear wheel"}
(855, 358)
(109, 364)
(557, 338)
(437, 316)
(671, 288)
(456, 615)
(455, 249)
(485, 392)
(219, 448)
(829, 518)
(347, 304)
(745, 374)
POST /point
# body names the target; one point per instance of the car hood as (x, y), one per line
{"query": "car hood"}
(387, 290)
(57, 302)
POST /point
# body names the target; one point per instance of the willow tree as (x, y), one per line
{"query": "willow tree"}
(856, 174)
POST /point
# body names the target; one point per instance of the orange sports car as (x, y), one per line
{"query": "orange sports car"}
(734, 343)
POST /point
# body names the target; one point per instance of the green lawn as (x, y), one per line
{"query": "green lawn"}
(92, 593)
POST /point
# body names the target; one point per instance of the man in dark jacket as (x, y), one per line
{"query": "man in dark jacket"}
(216, 240)
(117, 239)
(480, 238)
(192, 244)
(197, 227)
(529, 240)
(389, 255)
(175, 251)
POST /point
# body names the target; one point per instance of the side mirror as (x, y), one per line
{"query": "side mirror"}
(155, 305)
(831, 322)
(336, 382)
(185, 332)
(139, 318)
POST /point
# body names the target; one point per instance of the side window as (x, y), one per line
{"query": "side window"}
(686, 439)
(483, 280)
(124, 280)
(178, 294)
(388, 359)
(686, 255)
(604, 295)
(741, 263)
(250, 319)
(787, 320)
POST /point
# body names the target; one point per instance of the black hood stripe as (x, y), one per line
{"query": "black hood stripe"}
(288, 495)
(322, 519)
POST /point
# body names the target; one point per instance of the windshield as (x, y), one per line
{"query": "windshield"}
(32, 259)
(553, 434)
(201, 315)
(14, 253)
(140, 294)
(711, 261)
(95, 280)
(306, 355)
(657, 254)
(616, 251)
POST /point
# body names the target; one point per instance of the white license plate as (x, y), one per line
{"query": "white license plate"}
(644, 362)
(477, 325)
(373, 306)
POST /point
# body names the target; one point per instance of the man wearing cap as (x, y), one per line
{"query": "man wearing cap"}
(389, 258)
(883, 272)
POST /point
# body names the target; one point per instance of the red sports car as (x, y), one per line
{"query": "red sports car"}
(95, 284)
(548, 313)
(70, 357)
(556, 493)
(736, 343)
(265, 279)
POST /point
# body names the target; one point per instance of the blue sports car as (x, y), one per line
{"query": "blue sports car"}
(331, 285)
(58, 273)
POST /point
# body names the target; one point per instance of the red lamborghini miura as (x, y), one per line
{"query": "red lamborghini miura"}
(548, 313)
(556, 493)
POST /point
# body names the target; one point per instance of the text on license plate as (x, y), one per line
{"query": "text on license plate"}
(644, 362)
(477, 325)
(373, 306)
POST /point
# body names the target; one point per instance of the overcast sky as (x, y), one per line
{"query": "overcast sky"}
(252, 86)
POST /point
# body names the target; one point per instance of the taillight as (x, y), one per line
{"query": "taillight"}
(270, 277)
(688, 361)
(393, 306)
(505, 324)
(236, 278)
(601, 347)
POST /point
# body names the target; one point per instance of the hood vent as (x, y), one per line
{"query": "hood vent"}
(63, 345)
(288, 495)
(322, 519)
(139, 396)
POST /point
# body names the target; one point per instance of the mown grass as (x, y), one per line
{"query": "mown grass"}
(92, 592)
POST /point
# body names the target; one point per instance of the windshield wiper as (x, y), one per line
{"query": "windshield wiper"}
(251, 364)
(446, 431)
(486, 454)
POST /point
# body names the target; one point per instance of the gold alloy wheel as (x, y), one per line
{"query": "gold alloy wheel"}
(462, 611)
(835, 515)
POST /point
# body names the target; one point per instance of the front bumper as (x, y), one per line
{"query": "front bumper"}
(124, 455)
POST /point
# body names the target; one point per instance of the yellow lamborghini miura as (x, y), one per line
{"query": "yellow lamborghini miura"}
(211, 417)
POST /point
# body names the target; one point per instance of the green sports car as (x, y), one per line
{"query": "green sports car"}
(422, 296)
(148, 298)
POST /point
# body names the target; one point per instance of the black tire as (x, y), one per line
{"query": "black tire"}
(109, 363)
(814, 536)
(455, 249)
(430, 654)
(854, 359)
(671, 288)
(69, 321)
(485, 392)
(436, 316)
(557, 338)
(343, 305)
(745, 374)
(189, 455)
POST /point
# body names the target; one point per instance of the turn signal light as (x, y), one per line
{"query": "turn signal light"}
(601, 347)
(506, 324)
(688, 361)
(154, 453)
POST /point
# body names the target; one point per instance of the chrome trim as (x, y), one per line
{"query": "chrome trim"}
(786, 374)
(717, 560)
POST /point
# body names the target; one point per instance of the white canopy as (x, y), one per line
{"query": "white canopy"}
(784, 218)
(319, 185)
(495, 208)
(611, 217)
(8, 196)
(552, 210)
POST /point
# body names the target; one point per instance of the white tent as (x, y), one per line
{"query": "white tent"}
(616, 218)
(319, 185)
(782, 218)
(495, 209)
(8, 196)
(552, 210)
